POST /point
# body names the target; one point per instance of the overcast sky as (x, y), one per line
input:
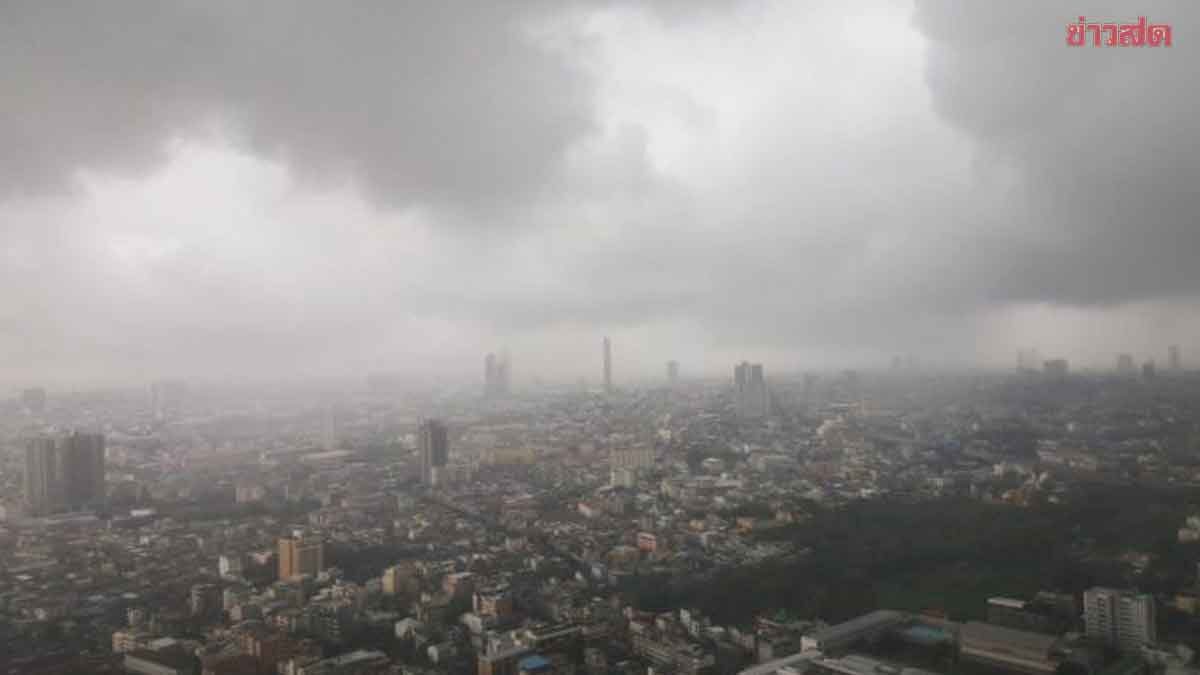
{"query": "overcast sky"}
(222, 188)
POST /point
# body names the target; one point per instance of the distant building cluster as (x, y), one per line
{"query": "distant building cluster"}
(234, 542)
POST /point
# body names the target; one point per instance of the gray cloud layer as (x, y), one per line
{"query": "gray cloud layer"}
(445, 103)
(1103, 143)
(697, 179)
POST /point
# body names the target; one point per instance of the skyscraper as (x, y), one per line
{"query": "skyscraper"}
(1119, 618)
(504, 373)
(1125, 365)
(64, 474)
(434, 449)
(82, 457)
(672, 371)
(41, 471)
(750, 396)
(607, 365)
(490, 376)
(300, 556)
(496, 376)
(1173, 360)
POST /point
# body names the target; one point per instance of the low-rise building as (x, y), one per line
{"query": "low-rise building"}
(1008, 648)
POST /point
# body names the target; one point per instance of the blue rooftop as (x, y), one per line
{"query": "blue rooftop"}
(533, 663)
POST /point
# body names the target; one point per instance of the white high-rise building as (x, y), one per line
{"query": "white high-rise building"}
(750, 395)
(1119, 618)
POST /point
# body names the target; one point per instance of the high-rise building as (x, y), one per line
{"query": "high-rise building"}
(434, 449)
(300, 556)
(205, 600)
(607, 365)
(672, 371)
(1119, 618)
(166, 399)
(34, 400)
(504, 373)
(41, 476)
(751, 399)
(82, 456)
(810, 387)
(329, 428)
(64, 474)
(490, 375)
(496, 376)
(1125, 366)
(1148, 370)
(1174, 362)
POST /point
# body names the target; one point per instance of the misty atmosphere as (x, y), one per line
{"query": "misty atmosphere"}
(599, 337)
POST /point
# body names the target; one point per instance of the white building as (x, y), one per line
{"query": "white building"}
(229, 566)
(635, 458)
(1120, 618)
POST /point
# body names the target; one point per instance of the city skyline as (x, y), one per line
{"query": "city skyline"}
(599, 337)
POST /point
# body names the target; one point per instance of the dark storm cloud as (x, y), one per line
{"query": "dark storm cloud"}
(443, 103)
(272, 186)
(1103, 141)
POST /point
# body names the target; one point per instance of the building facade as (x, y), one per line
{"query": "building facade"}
(300, 557)
(434, 449)
(1120, 618)
(750, 396)
(607, 365)
(64, 474)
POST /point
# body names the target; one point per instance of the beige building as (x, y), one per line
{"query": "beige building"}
(300, 557)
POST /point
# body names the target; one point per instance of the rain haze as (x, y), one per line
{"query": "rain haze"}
(278, 189)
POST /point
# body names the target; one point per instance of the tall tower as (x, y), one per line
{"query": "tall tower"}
(497, 375)
(82, 457)
(504, 373)
(64, 474)
(741, 375)
(434, 448)
(1173, 360)
(672, 371)
(607, 365)
(490, 375)
(758, 391)
(41, 476)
